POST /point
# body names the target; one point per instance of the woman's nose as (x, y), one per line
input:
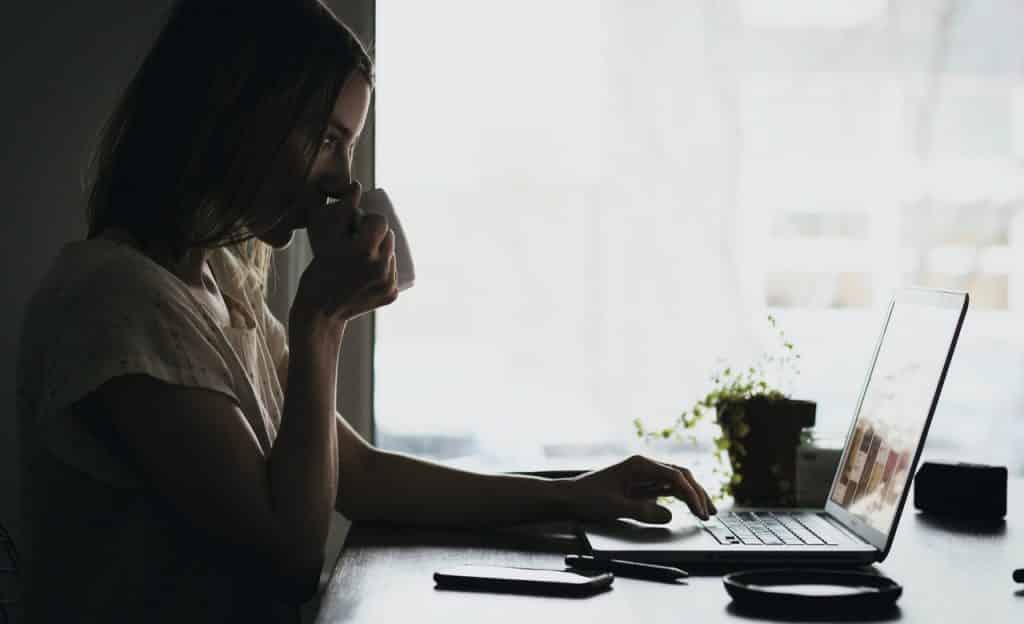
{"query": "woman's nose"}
(338, 174)
(346, 167)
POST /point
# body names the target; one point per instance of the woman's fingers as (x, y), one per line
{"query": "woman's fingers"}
(386, 249)
(681, 486)
(354, 268)
(709, 505)
(386, 279)
(334, 224)
(373, 230)
(355, 196)
(394, 273)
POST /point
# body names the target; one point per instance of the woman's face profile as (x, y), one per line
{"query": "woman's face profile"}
(331, 171)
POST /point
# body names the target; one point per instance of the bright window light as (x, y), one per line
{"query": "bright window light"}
(810, 13)
(607, 199)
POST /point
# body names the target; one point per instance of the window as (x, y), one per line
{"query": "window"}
(605, 200)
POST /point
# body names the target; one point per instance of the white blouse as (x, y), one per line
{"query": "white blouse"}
(100, 539)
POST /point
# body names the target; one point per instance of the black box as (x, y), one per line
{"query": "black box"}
(962, 490)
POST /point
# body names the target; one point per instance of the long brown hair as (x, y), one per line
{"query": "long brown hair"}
(206, 119)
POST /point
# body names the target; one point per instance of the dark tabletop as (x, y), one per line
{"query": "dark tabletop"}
(950, 572)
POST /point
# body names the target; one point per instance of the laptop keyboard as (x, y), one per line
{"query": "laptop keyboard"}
(761, 528)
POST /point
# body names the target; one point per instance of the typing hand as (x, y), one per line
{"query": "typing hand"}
(630, 489)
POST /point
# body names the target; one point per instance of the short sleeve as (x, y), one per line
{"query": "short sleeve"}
(129, 318)
(138, 327)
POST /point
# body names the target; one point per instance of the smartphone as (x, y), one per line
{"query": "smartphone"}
(523, 580)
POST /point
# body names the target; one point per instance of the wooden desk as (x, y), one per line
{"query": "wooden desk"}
(949, 574)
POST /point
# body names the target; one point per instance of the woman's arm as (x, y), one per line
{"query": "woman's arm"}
(381, 486)
(200, 454)
(384, 487)
(399, 489)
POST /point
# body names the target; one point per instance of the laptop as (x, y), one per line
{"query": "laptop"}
(883, 446)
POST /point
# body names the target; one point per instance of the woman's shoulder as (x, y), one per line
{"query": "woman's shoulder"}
(101, 265)
(101, 274)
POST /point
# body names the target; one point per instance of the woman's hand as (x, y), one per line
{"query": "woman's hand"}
(353, 270)
(630, 489)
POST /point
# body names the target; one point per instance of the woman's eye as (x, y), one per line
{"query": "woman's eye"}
(329, 143)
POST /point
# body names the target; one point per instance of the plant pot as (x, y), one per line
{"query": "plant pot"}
(763, 435)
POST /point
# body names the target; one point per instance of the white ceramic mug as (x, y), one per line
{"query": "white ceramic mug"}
(378, 202)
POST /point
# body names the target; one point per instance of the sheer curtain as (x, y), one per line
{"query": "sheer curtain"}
(606, 200)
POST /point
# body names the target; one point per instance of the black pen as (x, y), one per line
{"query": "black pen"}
(634, 569)
(1018, 575)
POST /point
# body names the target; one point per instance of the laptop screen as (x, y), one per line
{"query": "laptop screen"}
(894, 408)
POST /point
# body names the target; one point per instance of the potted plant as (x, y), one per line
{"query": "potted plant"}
(760, 427)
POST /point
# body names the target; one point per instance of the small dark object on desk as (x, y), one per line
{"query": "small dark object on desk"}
(520, 580)
(633, 569)
(807, 591)
(966, 491)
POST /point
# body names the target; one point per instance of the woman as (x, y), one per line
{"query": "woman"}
(183, 454)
